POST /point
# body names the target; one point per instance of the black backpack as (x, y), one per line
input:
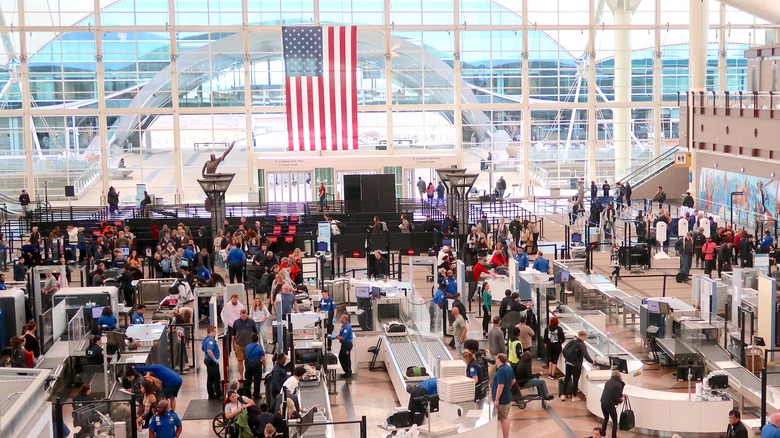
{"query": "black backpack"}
(571, 352)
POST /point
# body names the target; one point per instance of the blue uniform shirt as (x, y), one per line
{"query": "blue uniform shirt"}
(210, 344)
(254, 351)
(109, 321)
(167, 376)
(429, 386)
(541, 264)
(236, 256)
(346, 332)
(452, 286)
(522, 261)
(165, 426)
(438, 297)
(204, 273)
(137, 318)
(328, 305)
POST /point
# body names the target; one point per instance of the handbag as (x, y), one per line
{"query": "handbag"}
(627, 419)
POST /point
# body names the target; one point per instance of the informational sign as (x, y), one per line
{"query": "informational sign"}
(761, 261)
(323, 236)
(682, 159)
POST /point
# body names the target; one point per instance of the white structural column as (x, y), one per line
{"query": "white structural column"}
(658, 135)
(458, 96)
(177, 159)
(251, 160)
(590, 58)
(388, 83)
(526, 116)
(622, 11)
(24, 86)
(105, 173)
(699, 27)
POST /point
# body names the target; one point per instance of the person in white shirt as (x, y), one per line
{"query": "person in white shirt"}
(292, 384)
(261, 316)
(231, 311)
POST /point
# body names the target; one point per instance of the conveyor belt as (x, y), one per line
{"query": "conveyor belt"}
(714, 353)
(404, 352)
(438, 349)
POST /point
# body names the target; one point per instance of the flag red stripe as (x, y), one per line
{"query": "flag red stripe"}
(299, 113)
(321, 106)
(310, 112)
(332, 85)
(343, 79)
(353, 91)
(290, 146)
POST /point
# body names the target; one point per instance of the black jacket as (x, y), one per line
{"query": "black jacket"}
(737, 431)
(613, 391)
(688, 201)
(523, 373)
(502, 308)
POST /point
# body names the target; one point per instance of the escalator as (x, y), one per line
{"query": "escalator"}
(652, 168)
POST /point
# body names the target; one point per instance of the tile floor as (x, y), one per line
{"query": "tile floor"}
(371, 393)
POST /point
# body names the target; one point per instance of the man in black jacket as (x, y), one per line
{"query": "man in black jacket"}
(736, 428)
(576, 354)
(428, 225)
(504, 303)
(516, 228)
(610, 398)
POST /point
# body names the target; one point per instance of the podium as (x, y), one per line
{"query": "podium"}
(215, 186)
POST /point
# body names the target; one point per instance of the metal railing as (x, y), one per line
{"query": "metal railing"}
(651, 168)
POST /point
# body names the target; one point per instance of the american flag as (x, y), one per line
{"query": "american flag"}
(320, 87)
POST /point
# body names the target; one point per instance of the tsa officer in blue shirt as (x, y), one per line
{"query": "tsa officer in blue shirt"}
(328, 305)
(211, 360)
(522, 259)
(166, 424)
(541, 264)
(437, 303)
(138, 315)
(345, 337)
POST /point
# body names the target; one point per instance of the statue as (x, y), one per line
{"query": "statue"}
(210, 166)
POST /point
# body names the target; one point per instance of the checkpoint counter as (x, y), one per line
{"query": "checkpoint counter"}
(662, 411)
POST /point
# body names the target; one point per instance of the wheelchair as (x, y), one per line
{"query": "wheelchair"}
(522, 399)
(223, 427)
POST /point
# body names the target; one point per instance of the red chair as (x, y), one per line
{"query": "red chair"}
(273, 239)
(279, 219)
(277, 229)
(293, 219)
(292, 229)
(289, 239)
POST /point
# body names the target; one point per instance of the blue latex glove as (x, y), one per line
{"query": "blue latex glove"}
(333, 320)
(332, 336)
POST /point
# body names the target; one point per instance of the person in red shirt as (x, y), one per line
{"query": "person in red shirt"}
(498, 258)
(478, 269)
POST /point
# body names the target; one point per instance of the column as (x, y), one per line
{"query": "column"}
(24, 86)
(622, 11)
(105, 172)
(177, 160)
(527, 121)
(590, 59)
(697, 64)
(699, 25)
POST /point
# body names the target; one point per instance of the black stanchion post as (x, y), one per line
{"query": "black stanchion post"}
(364, 428)
(133, 417)
(58, 418)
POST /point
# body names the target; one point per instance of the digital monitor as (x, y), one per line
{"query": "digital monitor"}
(362, 292)
(561, 277)
(185, 263)
(376, 292)
(97, 312)
(663, 307)
(576, 238)
(653, 306)
(618, 363)
(125, 252)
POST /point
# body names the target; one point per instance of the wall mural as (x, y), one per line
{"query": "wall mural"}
(761, 198)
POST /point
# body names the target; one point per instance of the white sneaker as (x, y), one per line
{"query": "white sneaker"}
(563, 397)
(576, 399)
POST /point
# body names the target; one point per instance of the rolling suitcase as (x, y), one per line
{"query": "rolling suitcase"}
(681, 277)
